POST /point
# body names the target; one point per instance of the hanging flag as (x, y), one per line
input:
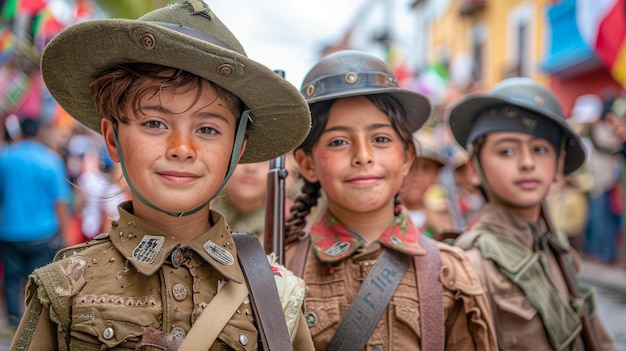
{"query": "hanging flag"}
(9, 10)
(602, 24)
(7, 44)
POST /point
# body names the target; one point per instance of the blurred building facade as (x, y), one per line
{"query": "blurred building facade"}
(484, 41)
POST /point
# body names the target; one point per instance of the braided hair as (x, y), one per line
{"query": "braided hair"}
(310, 192)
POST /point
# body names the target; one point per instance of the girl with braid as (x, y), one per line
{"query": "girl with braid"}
(366, 265)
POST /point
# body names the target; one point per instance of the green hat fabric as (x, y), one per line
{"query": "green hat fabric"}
(187, 36)
(523, 93)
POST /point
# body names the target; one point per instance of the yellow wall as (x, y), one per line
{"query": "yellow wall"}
(454, 32)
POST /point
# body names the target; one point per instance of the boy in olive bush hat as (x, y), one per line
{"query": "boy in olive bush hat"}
(520, 145)
(178, 103)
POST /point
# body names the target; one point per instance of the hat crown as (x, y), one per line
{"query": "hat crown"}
(344, 72)
(526, 93)
(195, 15)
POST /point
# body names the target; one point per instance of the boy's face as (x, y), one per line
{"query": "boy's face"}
(247, 186)
(423, 174)
(359, 159)
(178, 148)
(518, 167)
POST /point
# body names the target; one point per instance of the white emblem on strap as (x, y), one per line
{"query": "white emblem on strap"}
(148, 248)
(219, 253)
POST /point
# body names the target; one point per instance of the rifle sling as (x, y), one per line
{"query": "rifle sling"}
(302, 252)
(430, 292)
(370, 302)
(263, 293)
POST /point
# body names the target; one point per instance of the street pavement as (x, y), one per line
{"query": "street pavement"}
(610, 282)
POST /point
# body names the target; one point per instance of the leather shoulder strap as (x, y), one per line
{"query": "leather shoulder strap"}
(263, 293)
(370, 302)
(430, 292)
(302, 252)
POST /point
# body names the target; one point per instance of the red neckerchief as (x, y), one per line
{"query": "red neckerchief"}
(332, 241)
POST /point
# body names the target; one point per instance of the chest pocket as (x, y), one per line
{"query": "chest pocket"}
(114, 322)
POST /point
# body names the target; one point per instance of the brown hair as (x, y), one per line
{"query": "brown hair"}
(119, 87)
(310, 193)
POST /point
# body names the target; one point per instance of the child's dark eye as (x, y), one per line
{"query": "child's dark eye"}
(381, 139)
(506, 152)
(541, 150)
(208, 130)
(337, 142)
(154, 124)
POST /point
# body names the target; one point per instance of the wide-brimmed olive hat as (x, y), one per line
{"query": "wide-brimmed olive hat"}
(543, 107)
(187, 36)
(348, 73)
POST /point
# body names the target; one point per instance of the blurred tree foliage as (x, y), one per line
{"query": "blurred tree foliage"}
(130, 8)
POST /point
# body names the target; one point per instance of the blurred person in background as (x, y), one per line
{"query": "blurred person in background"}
(469, 197)
(99, 193)
(242, 201)
(422, 195)
(589, 118)
(34, 214)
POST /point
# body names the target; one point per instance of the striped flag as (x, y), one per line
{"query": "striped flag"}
(602, 24)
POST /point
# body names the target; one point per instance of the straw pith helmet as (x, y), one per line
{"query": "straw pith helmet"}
(187, 36)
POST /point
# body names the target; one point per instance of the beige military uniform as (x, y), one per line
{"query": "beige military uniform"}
(332, 287)
(104, 294)
(518, 316)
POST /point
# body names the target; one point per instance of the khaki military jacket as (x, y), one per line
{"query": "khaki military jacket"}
(519, 324)
(104, 294)
(332, 287)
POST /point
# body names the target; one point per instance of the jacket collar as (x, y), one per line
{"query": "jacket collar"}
(333, 242)
(148, 248)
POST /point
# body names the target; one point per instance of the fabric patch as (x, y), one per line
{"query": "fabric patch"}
(333, 242)
(219, 253)
(338, 248)
(148, 248)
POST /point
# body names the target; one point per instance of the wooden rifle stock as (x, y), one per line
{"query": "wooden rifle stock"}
(274, 237)
(588, 334)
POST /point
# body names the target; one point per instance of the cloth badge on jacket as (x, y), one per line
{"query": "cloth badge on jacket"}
(333, 242)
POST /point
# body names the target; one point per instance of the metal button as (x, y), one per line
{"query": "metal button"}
(351, 77)
(243, 340)
(148, 41)
(108, 333)
(179, 291)
(177, 257)
(225, 69)
(311, 319)
(178, 332)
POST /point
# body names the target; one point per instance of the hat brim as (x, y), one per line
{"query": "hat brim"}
(75, 57)
(463, 115)
(416, 106)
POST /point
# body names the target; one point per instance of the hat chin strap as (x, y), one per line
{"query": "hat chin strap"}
(239, 138)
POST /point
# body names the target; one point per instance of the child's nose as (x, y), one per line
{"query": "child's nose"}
(527, 159)
(362, 154)
(180, 146)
